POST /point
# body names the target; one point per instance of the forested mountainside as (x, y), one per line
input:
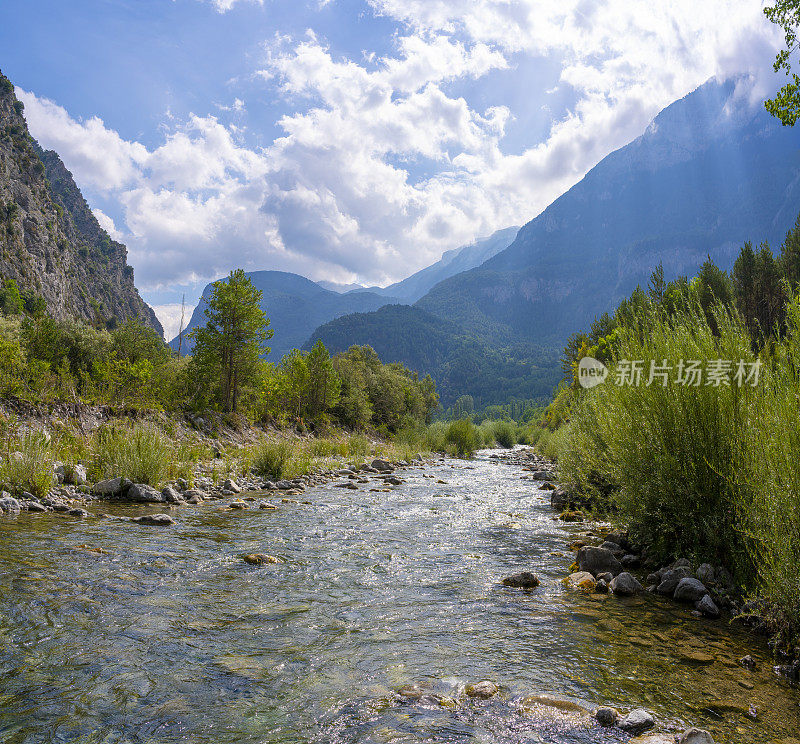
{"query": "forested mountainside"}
(460, 363)
(51, 244)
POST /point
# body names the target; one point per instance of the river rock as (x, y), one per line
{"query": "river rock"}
(695, 736)
(483, 690)
(626, 585)
(35, 506)
(682, 563)
(619, 538)
(637, 722)
(598, 560)
(156, 520)
(231, 485)
(706, 574)
(601, 587)
(614, 548)
(671, 578)
(582, 581)
(653, 739)
(606, 716)
(110, 487)
(238, 505)
(707, 607)
(78, 513)
(523, 580)
(630, 560)
(139, 493)
(393, 480)
(8, 504)
(748, 662)
(382, 465)
(690, 590)
(171, 496)
(261, 559)
(559, 499)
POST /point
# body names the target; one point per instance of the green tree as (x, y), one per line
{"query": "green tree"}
(713, 287)
(228, 349)
(786, 104)
(744, 279)
(10, 298)
(324, 385)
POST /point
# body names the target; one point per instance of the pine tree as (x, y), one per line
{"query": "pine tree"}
(228, 349)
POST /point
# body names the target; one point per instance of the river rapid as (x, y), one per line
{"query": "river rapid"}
(119, 632)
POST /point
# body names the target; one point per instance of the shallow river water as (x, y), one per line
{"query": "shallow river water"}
(168, 636)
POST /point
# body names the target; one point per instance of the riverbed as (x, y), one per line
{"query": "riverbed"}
(119, 632)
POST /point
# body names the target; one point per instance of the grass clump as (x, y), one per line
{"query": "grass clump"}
(271, 459)
(28, 467)
(462, 438)
(140, 453)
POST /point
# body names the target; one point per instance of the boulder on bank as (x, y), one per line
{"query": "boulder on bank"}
(670, 580)
(382, 465)
(139, 493)
(626, 585)
(8, 504)
(522, 580)
(171, 496)
(637, 722)
(690, 590)
(582, 581)
(708, 607)
(706, 574)
(598, 560)
(559, 499)
(231, 485)
(110, 487)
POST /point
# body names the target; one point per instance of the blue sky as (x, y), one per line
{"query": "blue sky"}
(347, 140)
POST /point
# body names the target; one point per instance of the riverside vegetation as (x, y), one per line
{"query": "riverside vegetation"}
(707, 472)
(353, 404)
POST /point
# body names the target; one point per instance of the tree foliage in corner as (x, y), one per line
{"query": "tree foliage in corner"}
(228, 349)
(786, 104)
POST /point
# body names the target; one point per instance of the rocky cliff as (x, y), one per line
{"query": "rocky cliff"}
(50, 242)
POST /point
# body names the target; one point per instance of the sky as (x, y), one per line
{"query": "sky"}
(348, 140)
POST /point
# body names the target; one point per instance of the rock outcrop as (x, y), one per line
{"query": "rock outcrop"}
(51, 244)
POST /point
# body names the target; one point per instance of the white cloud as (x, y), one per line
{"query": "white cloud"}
(107, 224)
(169, 315)
(335, 197)
(223, 6)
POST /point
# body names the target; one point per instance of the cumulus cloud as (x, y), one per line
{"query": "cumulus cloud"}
(381, 166)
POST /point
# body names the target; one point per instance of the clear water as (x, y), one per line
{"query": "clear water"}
(168, 636)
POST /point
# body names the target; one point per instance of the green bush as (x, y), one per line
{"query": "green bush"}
(436, 437)
(462, 438)
(140, 453)
(272, 459)
(28, 467)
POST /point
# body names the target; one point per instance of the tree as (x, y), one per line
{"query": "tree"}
(10, 298)
(713, 286)
(786, 104)
(743, 279)
(228, 349)
(324, 385)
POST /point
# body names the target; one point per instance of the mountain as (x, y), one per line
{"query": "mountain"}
(452, 262)
(295, 306)
(710, 172)
(50, 242)
(459, 363)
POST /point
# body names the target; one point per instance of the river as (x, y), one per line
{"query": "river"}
(167, 635)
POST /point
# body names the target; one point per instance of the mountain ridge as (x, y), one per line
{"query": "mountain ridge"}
(50, 242)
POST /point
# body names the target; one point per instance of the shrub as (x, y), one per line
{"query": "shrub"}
(30, 466)
(462, 438)
(436, 437)
(141, 453)
(272, 459)
(505, 433)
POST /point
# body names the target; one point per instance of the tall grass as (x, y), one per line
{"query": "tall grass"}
(272, 458)
(29, 465)
(667, 454)
(769, 494)
(140, 453)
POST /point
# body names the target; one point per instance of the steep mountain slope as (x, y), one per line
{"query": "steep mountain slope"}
(710, 172)
(459, 363)
(451, 263)
(50, 242)
(295, 306)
